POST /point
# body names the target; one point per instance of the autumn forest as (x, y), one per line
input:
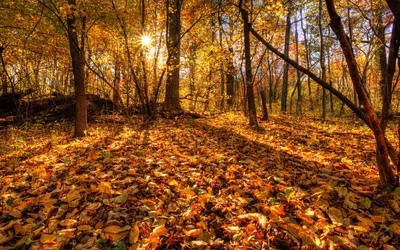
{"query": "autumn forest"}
(199, 124)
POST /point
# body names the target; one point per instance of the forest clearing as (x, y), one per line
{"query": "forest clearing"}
(195, 183)
(199, 124)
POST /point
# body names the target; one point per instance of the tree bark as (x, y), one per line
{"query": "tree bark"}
(307, 59)
(299, 103)
(171, 102)
(117, 81)
(249, 77)
(79, 74)
(286, 67)
(230, 81)
(263, 103)
(394, 6)
(322, 58)
(388, 75)
(4, 84)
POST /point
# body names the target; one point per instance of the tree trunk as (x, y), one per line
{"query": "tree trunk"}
(305, 33)
(5, 78)
(330, 81)
(263, 103)
(4, 84)
(172, 103)
(388, 76)
(249, 77)
(79, 74)
(221, 45)
(394, 6)
(299, 103)
(322, 58)
(286, 67)
(117, 81)
(387, 178)
(270, 82)
(230, 81)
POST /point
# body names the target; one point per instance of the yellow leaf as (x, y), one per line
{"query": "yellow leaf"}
(174, 183)
(134, 234)
(16, 213)
(68, 223)
(104, 187)
(159, 231)
(67, 233)
(365, 221)
(114, 233)
(154, 238)
(188, 193)
(194, 233)
(197, 244)
(277, 210)
(85, 228)
(47, 239)
(361, 228)
(204, 198)
(114, 229)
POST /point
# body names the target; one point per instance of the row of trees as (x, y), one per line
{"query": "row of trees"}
(210, 55)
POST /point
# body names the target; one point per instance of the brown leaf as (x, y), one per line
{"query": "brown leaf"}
(378, 218)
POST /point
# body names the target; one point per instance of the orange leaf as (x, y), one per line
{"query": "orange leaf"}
(47, 239)
(378, 218)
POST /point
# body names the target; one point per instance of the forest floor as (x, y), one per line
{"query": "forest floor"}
(195, 184)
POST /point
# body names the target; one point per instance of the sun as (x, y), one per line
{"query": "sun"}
(146, 40)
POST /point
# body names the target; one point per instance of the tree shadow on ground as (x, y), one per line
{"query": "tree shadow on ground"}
(231, 185)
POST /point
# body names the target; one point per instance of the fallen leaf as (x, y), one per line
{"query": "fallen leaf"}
(114, 233)
(134, 234)
(336, 216)
(378, 218)
(48, 239)
(260, 218)
(199, 244)
(395, 227)
(16, 213)
(104, 187)
(365, 203)
(365, 222)
(121, 199)
(194, 233)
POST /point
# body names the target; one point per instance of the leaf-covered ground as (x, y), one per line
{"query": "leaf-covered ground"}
(194, 184)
